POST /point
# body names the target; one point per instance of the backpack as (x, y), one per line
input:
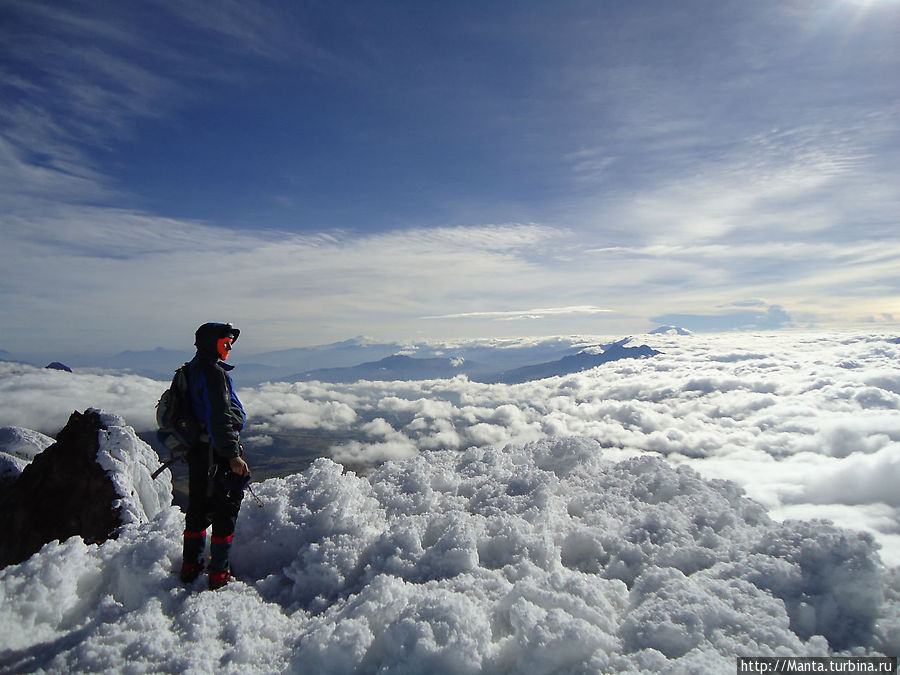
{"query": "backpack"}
(178, 429)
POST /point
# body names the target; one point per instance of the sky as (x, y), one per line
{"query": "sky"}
(404, 170)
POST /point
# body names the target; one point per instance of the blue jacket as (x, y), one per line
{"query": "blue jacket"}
(213, 398)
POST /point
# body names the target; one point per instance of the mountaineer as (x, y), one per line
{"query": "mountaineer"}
(217, 472)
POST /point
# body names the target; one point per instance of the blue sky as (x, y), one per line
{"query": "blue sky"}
(405, 170)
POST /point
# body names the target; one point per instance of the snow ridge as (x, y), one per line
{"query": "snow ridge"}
(129, 462)
(17, 448)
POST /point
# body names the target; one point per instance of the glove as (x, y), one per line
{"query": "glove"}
(232, 482)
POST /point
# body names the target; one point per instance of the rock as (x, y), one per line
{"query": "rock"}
(90, 482)
(56, 365)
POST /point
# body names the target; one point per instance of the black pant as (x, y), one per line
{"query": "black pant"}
(208, 500)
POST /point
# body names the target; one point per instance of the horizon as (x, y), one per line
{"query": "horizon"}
(445, 171)
(88, 359)
(360, 341)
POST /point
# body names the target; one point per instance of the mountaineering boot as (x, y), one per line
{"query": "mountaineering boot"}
(218, 578)
(219, 569)
(190, 572)
(192, 555)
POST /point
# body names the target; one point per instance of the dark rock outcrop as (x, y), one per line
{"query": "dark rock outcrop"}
(63, 492)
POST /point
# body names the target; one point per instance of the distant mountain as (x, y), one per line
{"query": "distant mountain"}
(252, 374)
(364, 359)
(361, 358)
(402, 367)
(670, 330)
(5, 355)
(158, 364)
(583, 360)
(336, 355)
(154, 357)
(395, 367)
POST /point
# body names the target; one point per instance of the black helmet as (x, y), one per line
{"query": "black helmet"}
(209, 333)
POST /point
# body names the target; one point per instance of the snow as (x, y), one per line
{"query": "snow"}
(130, 462)
(531, 558)
(17, 448)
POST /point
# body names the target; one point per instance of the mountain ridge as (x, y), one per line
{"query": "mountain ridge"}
(405, 367)
(362, 358)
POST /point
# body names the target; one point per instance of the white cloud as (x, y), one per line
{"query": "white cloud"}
(858, 479)
(116, 276)
(42, 399)
(122, 273)
(524, 313)
(279, 406)
(356, 453)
